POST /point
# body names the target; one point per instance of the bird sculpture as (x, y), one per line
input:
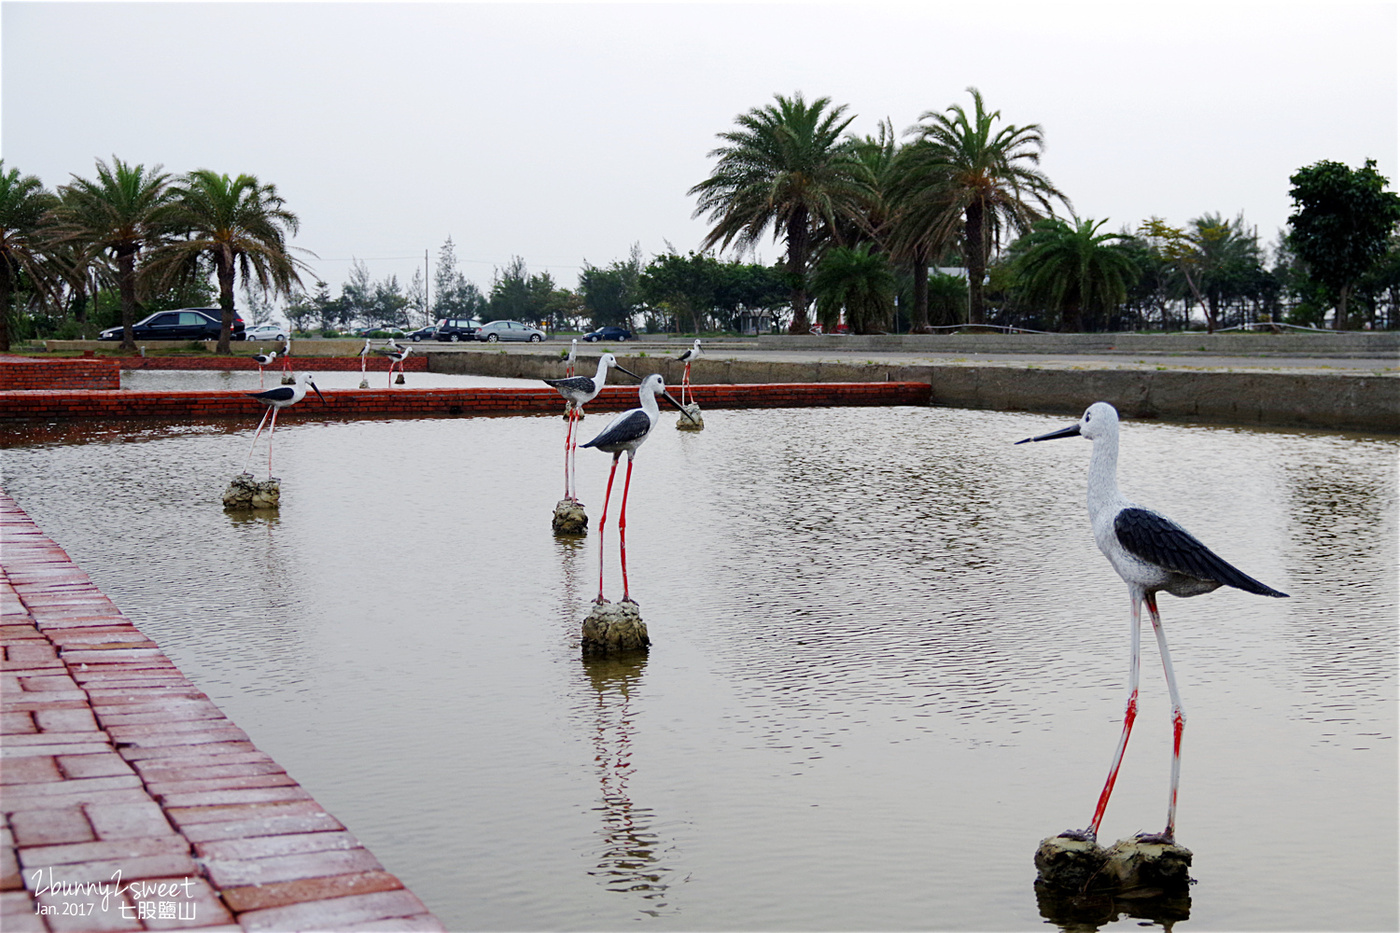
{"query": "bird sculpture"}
(1152, 554)
(578, 391)
(626, 433)
(264, 359)
(276, 400)
(572, 357)
(396, 355)
(688, 357)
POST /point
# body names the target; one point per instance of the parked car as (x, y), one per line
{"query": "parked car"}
(180, 324)
(509, 330)
(455, 329)
(423, 333)
(265, 332)
(611, 332)
(379, 329)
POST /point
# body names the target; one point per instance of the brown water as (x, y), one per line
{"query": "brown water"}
(887, 659)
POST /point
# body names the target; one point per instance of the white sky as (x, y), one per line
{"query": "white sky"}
(564, 133)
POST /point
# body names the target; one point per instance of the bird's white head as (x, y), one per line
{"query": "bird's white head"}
(609, 360)
(1099, 420)
(654, 384)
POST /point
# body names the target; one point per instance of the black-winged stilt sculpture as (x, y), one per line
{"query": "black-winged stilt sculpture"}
(276, 400)
(578, 391)
(626, 433)
(264, 359)
(396, 355)
(688, 357)
(572, 357)
(1152, 554)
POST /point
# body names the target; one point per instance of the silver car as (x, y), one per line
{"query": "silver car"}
(509, 330)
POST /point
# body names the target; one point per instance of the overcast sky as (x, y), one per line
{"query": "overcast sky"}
(565, 133)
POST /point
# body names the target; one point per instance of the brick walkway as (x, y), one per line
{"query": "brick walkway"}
(130, 802)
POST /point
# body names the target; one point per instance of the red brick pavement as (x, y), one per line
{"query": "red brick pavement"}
(130, 802)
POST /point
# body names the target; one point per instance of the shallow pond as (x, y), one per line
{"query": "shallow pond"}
(887, 659)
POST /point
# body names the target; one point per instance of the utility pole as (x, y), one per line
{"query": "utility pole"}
(427, 284)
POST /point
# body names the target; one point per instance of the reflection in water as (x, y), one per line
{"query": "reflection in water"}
(1085, 913)
(632, 851)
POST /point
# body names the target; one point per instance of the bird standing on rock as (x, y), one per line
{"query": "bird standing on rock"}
(1152, 554)
(626, 433)
(276, 400)
(579, 390)
(688, 357)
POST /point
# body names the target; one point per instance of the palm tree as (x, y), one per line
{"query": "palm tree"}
(23, 206)
(1075, 269)
(785, 166)
(115, 217)
(240, 226)
(858, 279)
(920, 202)
(977, 177)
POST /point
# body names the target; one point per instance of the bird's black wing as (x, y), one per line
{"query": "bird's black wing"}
(279, 394)
(573, 383)
(628, 427)
(1161, 541)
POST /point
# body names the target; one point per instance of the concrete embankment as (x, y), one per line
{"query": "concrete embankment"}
(1348, 400)
(131, 802)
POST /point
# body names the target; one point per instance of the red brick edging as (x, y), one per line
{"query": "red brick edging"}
(113, 762)
(415, 403)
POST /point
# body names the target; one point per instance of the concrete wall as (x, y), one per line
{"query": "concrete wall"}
(1348, 401)
(1324, 343)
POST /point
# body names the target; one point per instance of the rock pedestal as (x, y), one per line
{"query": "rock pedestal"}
(288, 379)
(364, 383)
(1081, 883)
(247, 494)
(614, 628)
(400, 380)
(687, 424)
(1068, 863)
(569, 518)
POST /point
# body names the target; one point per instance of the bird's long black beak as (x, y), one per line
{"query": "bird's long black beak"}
(627, 371)
(1071, 431)
(318, 392)
(678, 405)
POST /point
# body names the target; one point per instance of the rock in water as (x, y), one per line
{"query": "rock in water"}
(1143, 865)
(246, 493)
(569, 518)
(613, 628)
(686, 424)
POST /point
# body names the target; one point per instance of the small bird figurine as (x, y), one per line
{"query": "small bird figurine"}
(264, 359)
(688, 357)
(276, 400)
(626, 433)
(577, 391)
(1152, 554)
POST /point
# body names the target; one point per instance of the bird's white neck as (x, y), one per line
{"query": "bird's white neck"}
(1103, 491)
(602, 375)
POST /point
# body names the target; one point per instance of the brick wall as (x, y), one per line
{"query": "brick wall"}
(414, 403)
(18, 373)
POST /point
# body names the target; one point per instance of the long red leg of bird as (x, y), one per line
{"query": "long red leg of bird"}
(685, 382)
(603, 521)
(270, 429)
(622, 529)
(568, 445)
(1129, 714)
(573, 456)
(1178, 713)
(253, 446)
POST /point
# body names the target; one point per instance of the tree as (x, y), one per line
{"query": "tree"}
(23, 206)
(241, 226)
(1341, 223)
(977, 176)
(1075, 270)
(785, 166)
(858, 280)
(118, 216)
(453, 295)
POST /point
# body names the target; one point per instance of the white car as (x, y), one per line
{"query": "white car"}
(266, 332)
